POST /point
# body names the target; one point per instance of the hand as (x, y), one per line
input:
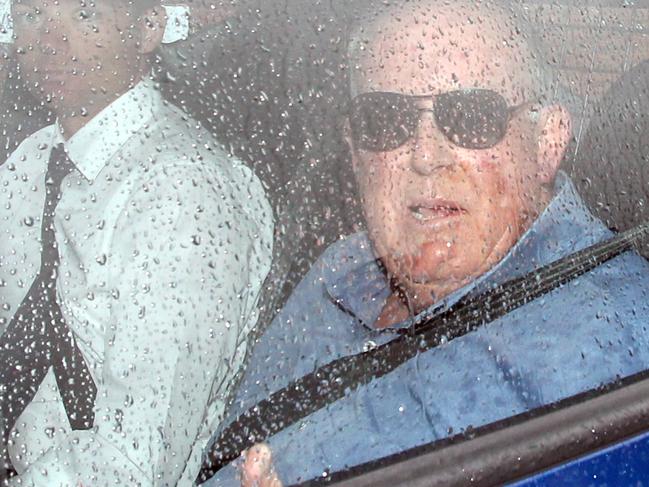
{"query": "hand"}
(257, 469)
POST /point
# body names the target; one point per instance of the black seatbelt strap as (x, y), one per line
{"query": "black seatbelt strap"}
(333, 381)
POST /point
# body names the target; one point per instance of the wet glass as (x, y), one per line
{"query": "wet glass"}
(353, 220)
(444, 223)
(135, 247)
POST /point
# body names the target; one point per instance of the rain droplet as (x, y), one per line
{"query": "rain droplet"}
(369, 345)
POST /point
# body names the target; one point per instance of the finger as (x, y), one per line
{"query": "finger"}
(257, 469)
(256, 465)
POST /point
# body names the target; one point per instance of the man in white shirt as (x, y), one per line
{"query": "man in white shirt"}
(132, 255)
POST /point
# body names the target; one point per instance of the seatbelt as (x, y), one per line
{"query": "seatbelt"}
(333, 381)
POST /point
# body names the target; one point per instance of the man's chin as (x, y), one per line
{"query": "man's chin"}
(420, 273)
(431, 269)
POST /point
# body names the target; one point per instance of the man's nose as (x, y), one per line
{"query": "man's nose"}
(431, 150)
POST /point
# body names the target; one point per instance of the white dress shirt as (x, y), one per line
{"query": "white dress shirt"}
(164, 243)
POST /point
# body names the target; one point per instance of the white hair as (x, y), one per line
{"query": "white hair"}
(369, 13)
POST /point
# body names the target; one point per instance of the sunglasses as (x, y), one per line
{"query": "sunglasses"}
(472, 119)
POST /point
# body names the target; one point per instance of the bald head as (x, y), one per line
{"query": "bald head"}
(456, 44)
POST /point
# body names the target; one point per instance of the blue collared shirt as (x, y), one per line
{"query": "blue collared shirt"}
(587, 333)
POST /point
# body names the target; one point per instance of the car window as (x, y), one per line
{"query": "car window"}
(315, 234)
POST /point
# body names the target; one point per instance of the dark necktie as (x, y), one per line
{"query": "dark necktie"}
(38, 338)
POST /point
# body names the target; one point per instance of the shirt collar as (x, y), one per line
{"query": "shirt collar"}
(564, 226)
(103, 136)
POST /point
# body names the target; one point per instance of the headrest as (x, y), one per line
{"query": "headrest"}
(177, 28)
(6, 25)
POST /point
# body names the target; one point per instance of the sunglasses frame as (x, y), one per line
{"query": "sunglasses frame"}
(411, 102)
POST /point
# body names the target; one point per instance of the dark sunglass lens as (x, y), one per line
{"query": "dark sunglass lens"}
(473, 119)
(382, 121)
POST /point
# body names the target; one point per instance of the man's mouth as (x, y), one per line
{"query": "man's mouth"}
(435, 210)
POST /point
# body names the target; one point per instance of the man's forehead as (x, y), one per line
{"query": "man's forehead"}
(421, 53)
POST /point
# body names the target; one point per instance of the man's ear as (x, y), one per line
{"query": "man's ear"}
(554, 131)
(152, 28)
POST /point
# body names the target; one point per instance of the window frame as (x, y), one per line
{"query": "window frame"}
(516, 447)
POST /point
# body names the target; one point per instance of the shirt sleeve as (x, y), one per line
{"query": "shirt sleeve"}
(191, 250)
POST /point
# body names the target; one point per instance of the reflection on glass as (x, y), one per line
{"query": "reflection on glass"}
(182, 182)
(457, 136)
(132, 257)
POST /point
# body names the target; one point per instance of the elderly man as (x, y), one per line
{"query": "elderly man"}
(456, 152)
(132, 254)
